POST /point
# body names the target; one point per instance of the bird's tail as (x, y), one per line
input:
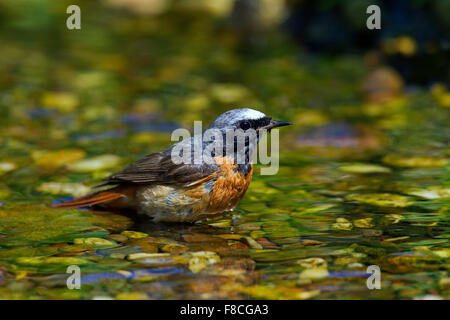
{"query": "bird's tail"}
(90, 199)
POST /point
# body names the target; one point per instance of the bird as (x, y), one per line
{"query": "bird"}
(169, 191)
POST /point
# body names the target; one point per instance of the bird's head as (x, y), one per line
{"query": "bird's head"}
(246, 125)
(245, 119)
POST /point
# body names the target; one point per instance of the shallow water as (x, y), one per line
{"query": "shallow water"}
(359, 184)
(307, 232)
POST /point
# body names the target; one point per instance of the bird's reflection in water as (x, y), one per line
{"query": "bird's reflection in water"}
(220, 280)
(174, 230)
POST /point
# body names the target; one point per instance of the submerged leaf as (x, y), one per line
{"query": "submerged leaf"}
(363, 223)
(414, 161)
(201, 259)
(7, 167)
(394, 218)
(342, 224)
(364, 168)
(103, 162)
(274, 292)
(58, 158)
(434, 192)
(95, 243)
(314, 274)
(174, 248)
(63, 101)
(134, 234)
(310, 263)
(35, 261)
(72, 188)
(381, 199)
(145, 255)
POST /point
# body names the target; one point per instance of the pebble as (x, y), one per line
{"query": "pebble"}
(310, 263)
(97, 243)
(314, 274)
(363, 223)
(253, 244)
(117, 237)
(133, 234)
(342, 224)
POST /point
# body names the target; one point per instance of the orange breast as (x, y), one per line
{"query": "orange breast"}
(229, 187)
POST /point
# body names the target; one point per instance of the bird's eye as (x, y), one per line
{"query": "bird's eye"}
(245, 125)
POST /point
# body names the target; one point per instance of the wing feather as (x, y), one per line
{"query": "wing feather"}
(159, 168)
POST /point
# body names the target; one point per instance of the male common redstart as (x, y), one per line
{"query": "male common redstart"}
(167, 190)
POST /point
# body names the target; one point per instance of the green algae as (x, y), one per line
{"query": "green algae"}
(34, 225)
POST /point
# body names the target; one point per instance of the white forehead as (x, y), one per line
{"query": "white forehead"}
(231, 117)
(252, 114)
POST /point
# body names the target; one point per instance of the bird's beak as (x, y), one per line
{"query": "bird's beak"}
(276, 124)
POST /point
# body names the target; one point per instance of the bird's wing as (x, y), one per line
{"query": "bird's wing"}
(159, 168)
